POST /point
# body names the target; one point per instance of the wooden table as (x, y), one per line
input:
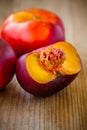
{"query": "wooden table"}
(65, 110)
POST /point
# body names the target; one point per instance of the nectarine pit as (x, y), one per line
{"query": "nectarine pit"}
(52, 59)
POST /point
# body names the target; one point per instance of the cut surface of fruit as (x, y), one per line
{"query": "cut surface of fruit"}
(52, 59)
(72, 64)
(63, 61)
(36, 71)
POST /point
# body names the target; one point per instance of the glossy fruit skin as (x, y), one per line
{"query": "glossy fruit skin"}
(36, 88)
(27, 36)
(7, 64)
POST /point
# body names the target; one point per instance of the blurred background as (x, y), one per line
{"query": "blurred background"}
(66, 110)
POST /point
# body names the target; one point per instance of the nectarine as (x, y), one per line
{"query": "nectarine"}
(48, 69)
(7, 64)
(30, 29)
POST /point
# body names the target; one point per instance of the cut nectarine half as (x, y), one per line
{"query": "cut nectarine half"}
(48, 69)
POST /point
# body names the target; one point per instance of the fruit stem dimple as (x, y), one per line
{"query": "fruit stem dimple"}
(52, 59)
(36, 17)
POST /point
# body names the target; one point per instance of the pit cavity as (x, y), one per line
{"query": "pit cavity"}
(52, 59)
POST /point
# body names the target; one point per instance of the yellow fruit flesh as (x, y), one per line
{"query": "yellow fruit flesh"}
(70, 66)
(36, 71)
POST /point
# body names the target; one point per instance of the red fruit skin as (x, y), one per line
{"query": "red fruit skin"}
(27, 36)
(7, 64)
(35, 88)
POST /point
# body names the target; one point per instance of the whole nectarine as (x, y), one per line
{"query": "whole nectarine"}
(7, 64)
(30, 29)
(48, 69)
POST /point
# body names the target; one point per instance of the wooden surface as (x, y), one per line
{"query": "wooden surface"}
(65, 110)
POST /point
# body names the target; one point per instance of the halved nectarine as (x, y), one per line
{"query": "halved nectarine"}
(30, 29)
(48, 69)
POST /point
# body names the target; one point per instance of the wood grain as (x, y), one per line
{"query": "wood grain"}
(65, 110)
